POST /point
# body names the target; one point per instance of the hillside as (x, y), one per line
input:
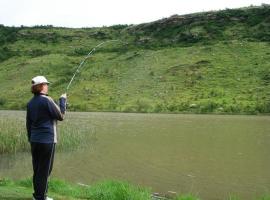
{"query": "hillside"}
(210, 62)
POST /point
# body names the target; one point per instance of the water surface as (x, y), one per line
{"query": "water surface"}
(211, 156)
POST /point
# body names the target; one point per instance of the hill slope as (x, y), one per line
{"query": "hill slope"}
(212, 62)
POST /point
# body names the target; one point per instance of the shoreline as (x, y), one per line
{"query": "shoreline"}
(105, 190)
(161, 113)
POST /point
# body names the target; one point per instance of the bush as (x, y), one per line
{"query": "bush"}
(2, 101)
(232, 108)
(208, 106)
(43, 37)
(101, 35)
(8, 34)
(5, 53)
(38, 52)
(129, 108)
(159, 108)
(189, 38)
(143, 105)
(266, 77)
(119, 26)
(81, 51)
(263, 107)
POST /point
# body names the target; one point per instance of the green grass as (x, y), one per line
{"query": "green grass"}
(13, 137)
(105, 190)
(213, 62)
(187, 197)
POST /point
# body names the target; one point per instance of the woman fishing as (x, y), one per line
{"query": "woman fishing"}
(41, 118)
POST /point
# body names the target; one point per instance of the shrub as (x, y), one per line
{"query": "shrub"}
(144, 105)
(81, 51)
(38, 52)
(2, 101)
(208, 106)
(8, 34)
(263, 107)
(119, 26)
(5, 53)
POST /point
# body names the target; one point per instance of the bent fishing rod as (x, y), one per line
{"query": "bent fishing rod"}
(87, 56)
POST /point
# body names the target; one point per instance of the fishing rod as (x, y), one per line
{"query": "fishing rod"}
(87, 56)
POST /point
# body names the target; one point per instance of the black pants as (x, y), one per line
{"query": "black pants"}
(42, 160)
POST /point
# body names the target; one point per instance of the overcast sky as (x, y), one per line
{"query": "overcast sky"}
(89, 13)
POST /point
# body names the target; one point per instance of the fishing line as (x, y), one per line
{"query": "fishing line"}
(87, 56)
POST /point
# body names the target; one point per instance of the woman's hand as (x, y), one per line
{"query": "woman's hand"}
(64, 95)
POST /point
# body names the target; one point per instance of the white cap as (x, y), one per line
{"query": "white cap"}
(39, 80)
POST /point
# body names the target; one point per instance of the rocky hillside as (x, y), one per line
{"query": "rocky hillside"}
(210, 62)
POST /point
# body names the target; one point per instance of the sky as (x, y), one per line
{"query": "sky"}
(97, 13)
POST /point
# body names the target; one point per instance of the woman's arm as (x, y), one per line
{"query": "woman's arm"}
(55, 111)
(28, 124)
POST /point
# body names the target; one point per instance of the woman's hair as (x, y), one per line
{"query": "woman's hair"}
(36, 89)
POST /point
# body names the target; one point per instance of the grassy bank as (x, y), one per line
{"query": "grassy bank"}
(106, 190)
(13, 137)
(212, 62)
(111, 190)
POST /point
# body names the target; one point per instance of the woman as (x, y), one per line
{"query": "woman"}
(42, 115)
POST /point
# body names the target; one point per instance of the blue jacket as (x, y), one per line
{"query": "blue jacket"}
(41, 118)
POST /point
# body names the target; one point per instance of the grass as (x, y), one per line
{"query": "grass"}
(213, 62)
(13, 137)
(105, 190)
(111, 190)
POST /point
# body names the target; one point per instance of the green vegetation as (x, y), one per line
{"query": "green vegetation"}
(211, 62)
(106, 190)
(13, 136)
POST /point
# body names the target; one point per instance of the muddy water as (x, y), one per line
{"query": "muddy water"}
(211, 156)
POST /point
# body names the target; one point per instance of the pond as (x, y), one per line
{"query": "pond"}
(211, 156)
